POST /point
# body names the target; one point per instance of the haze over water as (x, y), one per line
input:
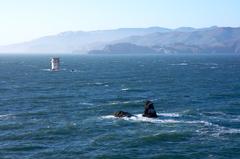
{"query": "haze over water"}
(68, 114)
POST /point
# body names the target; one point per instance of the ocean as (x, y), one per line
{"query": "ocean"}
(68, 114)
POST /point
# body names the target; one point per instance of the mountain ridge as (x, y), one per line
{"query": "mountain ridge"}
(152, 37)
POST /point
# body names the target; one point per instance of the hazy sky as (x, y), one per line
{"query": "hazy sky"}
(22, 20)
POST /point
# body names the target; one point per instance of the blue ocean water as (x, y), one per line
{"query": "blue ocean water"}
(68, 114)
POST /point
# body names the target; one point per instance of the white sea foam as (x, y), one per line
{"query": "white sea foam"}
(180, 64)
(140, 118)
(232, 131)
(97, 83)
(225, 131)
(4, 116)
(206, 123)
(169, 114)
(125, 89)
(236, 118)
(155, 99)
(85, 103)
(220, 130)
(212, 128)
(108, 117)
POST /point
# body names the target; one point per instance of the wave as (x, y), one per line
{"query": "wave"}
(4, 116)
(124, 102)
(212, 128)
(133, 90)
(46, 69)
(125, 89)
(215, 113)
(140, 118)
(166, 136)
(131, 101)
(98, 84)
(85, 103)
(169, 114)
(222, 131)
(180, 64)
(210, 64)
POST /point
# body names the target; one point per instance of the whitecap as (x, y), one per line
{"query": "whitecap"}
(232, 131)
(85, 103)
(198, 122)
(98, 83)
(125, 89)
(180, 64)
(169, 114)
(212, 128)
(140, 118)
(5, 116)
(225, 131)
(155, 99)
(108, 117)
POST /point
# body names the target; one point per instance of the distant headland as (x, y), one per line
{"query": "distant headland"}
(152, 40)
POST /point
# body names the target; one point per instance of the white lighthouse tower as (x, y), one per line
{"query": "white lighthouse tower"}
(55, 61)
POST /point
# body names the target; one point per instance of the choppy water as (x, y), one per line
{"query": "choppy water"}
(68, 114)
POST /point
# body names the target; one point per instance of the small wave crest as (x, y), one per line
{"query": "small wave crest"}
(124, 102)
(169, 114)
(202, 126)
(98, 84)
(5, 116)
(85, 103)
(180, 64)
(125, 89)
(140, 118)
(46, 69)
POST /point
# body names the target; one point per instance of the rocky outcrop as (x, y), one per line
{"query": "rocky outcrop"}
(121, 114)
(149, 110)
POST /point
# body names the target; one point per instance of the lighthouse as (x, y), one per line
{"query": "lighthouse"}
(55, 61)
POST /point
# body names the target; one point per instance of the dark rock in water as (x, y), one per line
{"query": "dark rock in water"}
(149, 110)
(121, 114)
